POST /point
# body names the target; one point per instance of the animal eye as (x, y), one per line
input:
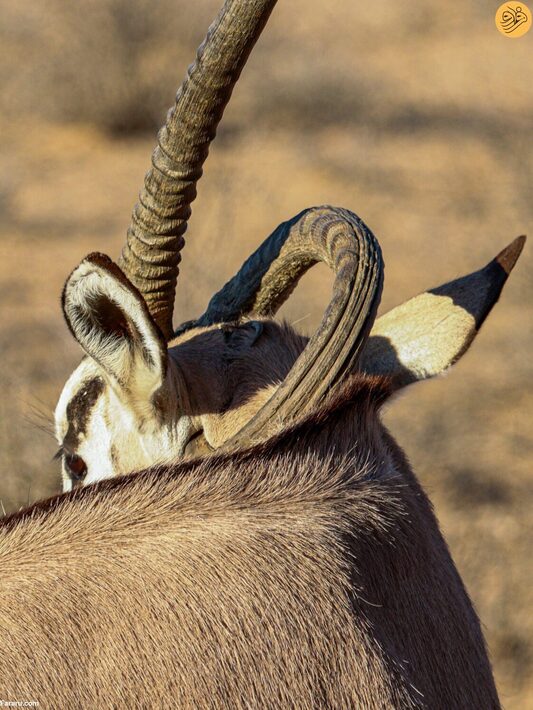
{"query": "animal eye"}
(76, 467)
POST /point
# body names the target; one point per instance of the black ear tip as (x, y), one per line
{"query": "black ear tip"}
(508, 257)
(98, 259)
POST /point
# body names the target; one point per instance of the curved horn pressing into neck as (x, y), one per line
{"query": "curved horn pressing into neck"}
(340, 239)
(155, 237)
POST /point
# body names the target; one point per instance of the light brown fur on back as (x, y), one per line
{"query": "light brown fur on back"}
(306, 572)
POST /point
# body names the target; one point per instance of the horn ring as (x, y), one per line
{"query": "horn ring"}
(340, 239)
(151, 255)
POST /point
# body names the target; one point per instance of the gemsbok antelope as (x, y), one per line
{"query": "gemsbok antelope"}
(299, 563)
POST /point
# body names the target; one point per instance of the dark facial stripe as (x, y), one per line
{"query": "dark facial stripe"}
(79, 411)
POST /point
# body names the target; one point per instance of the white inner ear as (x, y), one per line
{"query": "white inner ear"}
(129, 360)
(419, 339)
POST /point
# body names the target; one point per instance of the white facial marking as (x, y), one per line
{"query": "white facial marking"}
(119, 436)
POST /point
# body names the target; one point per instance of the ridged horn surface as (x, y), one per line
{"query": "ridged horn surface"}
(341, 240)
(155, 237)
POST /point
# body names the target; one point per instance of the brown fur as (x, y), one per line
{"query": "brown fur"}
(306, 572)
(79, 410)
(222, 383)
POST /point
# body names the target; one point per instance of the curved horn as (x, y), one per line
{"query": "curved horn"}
(155, 237)
(342, 241)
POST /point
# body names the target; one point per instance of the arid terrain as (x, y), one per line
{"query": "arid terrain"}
(416, 115)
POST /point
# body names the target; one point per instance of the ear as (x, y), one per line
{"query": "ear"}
(242, 336)
(110, 320)
(429, 333)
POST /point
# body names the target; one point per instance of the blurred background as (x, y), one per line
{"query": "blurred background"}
(416, 115)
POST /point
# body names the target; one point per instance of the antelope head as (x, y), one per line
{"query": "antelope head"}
(145, 393)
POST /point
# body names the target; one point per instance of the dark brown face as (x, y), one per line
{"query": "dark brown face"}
(79, 411)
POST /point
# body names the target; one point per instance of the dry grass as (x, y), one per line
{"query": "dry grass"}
(418, 116)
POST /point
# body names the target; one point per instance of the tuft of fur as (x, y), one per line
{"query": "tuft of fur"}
(307, 571)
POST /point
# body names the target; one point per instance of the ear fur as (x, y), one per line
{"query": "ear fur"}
(430, 332)
(110, 320)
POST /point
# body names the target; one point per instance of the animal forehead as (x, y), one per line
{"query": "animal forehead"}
(79, 409)
(195, 333)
